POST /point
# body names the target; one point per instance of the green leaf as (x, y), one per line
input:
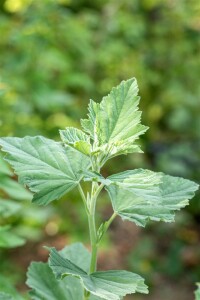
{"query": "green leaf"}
(45, 166)
(44, 284)
(45, 287)
(197, 292)
(147, 202)
(114, 124)
(140, 181)
(89, 125)
(77, 139)
(7, 291)
(14, 189)
(8, 239)
(8, 208)
(110, 285)
(4, 169)
(5, 296)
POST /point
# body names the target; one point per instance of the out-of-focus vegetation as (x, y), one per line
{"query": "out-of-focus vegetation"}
(55, 54)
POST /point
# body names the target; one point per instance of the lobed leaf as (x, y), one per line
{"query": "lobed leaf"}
(45, 166)
(140, 201)
(114, 123)
(110, 285)
(41, 278)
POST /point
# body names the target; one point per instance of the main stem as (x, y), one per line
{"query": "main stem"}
(92, 227)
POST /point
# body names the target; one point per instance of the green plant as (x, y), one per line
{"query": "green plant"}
(50, 169)
(197, 292)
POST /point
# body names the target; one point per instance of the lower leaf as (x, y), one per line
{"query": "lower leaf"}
(110, 285)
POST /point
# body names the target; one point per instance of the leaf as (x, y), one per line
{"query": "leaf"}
(89, 125)
(114, 124)
(8, 208)
(45, 166)
(14, 189)
(110, 285)
(7, 291)
(197, 292)
(5, 296)
(77, 139)
(140, 181)
(8, 239)
(44, 284)
(4, 169)
(77, 254)
(145, 203)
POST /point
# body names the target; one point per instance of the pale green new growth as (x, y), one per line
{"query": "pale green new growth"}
(51, 169)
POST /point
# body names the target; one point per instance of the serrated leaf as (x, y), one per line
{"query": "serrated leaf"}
(140, 181)
(110, 285)
(9, 239)
(45, 166)
(89, 125)
(77, 139)
(44, 284)
(197, 292)
(45, 287)
(145, 204)
(114, 123)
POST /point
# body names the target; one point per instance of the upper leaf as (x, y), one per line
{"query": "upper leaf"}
(114, 124)
(110, 285)
(45, 166)
(77, 139)
(141, 202)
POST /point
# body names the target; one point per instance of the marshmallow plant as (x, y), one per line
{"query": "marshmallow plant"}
(51, 169)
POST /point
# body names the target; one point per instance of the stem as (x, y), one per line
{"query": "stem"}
(93, 239)
(83, 198)
(107, 225)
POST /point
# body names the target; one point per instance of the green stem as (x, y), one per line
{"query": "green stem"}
(83, 198)
(106, 226)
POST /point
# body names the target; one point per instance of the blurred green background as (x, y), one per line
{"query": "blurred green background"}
(55, 55)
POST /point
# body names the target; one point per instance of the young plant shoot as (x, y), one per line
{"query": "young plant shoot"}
(51, 169)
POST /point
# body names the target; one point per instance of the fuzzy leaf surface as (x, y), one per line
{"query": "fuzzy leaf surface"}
(110, 285)
(46, 167)
(156, 203)
(45, 286)
(77, 139)
(114, 123)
